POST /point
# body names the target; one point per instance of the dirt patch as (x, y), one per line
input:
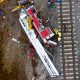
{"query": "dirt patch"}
(14, 61)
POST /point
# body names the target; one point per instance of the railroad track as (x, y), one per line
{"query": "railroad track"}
(69, 60)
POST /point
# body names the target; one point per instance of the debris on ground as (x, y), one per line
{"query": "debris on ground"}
(15, 61)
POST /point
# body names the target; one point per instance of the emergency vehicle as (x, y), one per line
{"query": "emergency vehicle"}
(45, 33)
(32, 24)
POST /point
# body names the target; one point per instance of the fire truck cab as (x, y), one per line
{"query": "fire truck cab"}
(45, 33)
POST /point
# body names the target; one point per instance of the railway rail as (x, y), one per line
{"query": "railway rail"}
(68, 48)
